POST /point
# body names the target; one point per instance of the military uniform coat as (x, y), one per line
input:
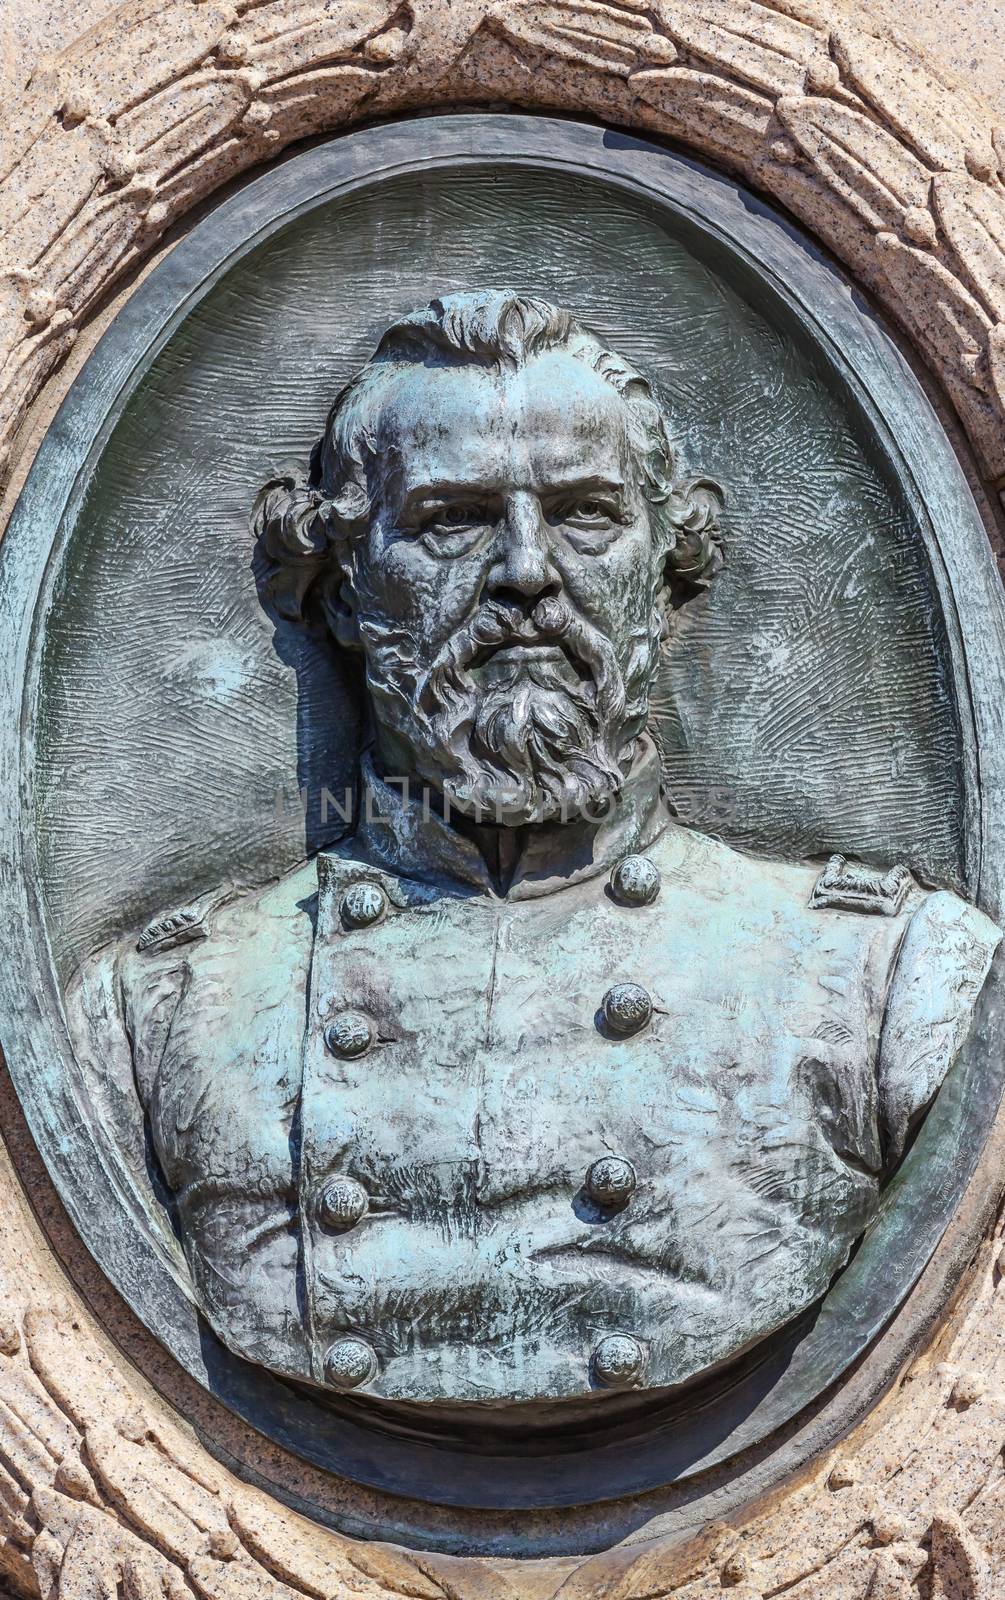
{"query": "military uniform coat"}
(452, 1061)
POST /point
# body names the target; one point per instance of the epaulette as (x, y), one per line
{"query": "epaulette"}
(183, 925)
(850, 886)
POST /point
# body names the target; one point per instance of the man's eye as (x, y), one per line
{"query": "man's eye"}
(459, 516)
(456, 529)
(588, 510)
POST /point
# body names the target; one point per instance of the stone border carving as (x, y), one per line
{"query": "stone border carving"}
(898, 171)
(102, 1492)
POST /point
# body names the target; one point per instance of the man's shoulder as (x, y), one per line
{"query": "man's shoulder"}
(718, 871)
(227, 916)
(882, 900)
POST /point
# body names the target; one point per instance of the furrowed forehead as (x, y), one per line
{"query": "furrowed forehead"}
(473, 422)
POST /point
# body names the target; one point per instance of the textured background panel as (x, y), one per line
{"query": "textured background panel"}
(806, 706)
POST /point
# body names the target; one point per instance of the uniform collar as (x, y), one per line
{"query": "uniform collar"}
(400, 835)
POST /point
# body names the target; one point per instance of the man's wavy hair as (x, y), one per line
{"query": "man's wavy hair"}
(300, 521)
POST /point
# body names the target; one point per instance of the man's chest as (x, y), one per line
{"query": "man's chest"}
(460, 1056)
(427, 1098)
(474, 1053)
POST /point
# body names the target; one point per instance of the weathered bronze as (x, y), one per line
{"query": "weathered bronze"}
(522, 1092)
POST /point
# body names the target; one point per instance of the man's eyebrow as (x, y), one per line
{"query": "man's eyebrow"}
(445, 488)
(589, 480)
(455, 488)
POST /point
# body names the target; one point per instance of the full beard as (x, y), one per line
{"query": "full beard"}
(544, 736)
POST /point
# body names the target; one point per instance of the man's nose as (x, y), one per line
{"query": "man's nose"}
(523, 568)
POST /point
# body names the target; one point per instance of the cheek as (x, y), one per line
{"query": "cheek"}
(617, 589)
(399, 581)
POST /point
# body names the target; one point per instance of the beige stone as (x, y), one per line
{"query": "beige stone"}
(892, 162)
(896, 163)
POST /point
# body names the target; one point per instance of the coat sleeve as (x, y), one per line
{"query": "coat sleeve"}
(940, 971)
(101, 1023)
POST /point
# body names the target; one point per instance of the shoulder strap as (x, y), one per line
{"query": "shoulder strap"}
(851, 886)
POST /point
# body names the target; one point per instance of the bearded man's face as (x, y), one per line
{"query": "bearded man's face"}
(506, 592)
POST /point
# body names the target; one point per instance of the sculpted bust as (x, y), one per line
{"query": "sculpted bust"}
(522, 1091)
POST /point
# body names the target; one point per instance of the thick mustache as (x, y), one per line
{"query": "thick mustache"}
(498, 625)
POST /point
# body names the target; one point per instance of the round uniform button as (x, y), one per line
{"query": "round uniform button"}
(349, 1363)
(362, 905)
(627, 1008)
(618, 1361)
(635, 881)
(610, 1182)
(342, 1203)
(349, 1034)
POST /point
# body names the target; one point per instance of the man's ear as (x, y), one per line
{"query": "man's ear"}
(337, 602)
(290, 521)
(695, 556)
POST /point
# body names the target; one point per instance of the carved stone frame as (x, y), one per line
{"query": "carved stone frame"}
(102, 1482)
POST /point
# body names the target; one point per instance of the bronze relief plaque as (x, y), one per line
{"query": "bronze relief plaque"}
(502, 667)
